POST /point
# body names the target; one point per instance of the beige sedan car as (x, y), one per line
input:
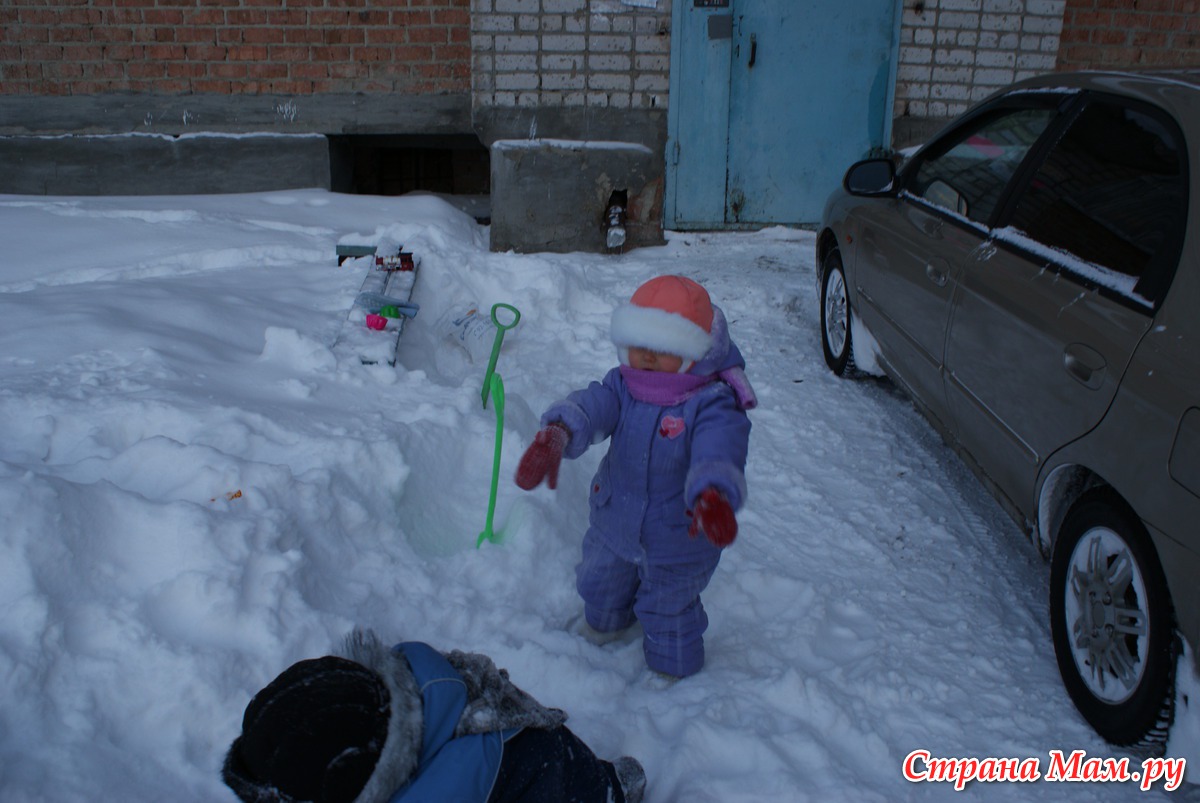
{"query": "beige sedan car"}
(1031, 277)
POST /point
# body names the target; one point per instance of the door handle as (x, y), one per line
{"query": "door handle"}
(936, 274)
(753, 51)
(1085, 365)
(984, 251)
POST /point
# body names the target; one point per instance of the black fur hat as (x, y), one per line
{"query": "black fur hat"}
(313, 734)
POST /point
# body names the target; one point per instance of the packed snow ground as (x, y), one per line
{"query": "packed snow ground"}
(160, 355)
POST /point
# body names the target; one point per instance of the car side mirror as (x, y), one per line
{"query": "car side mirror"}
(942, 194)
(870, 177)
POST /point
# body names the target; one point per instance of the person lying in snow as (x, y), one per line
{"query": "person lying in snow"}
(675, 413)
(406, 724)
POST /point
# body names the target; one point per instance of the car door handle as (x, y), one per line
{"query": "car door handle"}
(984, 251)
(1085, 365)
(936, 274)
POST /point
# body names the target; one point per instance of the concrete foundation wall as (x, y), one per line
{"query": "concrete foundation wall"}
(168, 144)
(148, 113)
(158, 165)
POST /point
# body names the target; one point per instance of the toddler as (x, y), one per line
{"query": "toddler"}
(674, 412)
(378, 725)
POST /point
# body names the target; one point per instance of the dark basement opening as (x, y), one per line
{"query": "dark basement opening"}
(457, 167)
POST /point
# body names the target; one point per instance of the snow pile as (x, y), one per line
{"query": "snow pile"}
(196, 490)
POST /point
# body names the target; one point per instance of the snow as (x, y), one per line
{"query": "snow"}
(1120, 283)
(198, 489)
(569, 145)
(187, 135)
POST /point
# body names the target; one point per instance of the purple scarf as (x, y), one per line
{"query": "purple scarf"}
(667, 390)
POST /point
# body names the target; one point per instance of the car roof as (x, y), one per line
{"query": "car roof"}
(1188, 77)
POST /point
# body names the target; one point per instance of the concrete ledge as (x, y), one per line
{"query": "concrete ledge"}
(127, 112)
(588, 123)
(552, 195)
(140, 164)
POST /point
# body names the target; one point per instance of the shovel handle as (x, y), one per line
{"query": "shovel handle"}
(501, 328)
(497, 389)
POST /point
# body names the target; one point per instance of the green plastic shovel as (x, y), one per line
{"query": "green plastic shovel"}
(493, 385)
(501, 328)
(497, 392)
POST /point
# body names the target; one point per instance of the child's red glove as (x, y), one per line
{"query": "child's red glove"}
(542, 458)
(714, 516)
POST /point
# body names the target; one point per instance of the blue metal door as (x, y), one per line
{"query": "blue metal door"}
(698, 114)
(770, 101)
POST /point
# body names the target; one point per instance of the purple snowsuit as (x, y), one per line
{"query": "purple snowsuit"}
(672, 436)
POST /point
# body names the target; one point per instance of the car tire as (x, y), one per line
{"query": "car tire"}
(835, 316)
(1112, 622)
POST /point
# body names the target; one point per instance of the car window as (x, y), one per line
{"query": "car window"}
(1113, 193)
(968, 173)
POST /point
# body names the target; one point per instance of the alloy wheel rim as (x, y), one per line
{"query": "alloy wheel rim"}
(835, 313)
(1106, 615)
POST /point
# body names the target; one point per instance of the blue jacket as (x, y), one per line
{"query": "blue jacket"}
(661, 456)
(451, 770)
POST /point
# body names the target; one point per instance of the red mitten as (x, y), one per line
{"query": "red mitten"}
(542, 458)
(714, 516)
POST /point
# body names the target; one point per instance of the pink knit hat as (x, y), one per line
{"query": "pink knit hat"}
(669, 314)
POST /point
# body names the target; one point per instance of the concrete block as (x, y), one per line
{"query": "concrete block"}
(553, 82)
(614, 82)
(995, 77)
(517, 6)
(916, 55)
(516, 63)
(1001, 22)
(494, 23)
(993, 58)
(609, 44)
(552, 195)
(517, 81)
(516, 44)
(1045, 8)
(560, 62)
(956, 20)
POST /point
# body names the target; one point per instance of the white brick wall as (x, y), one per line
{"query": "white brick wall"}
(610, 53)
(955, 52)
(561, 53)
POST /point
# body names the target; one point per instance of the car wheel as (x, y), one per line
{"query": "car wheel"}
(1112, 622)
(835, 316)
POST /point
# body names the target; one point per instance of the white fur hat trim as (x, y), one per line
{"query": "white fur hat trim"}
(658, 330)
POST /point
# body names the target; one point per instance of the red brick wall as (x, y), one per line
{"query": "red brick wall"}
(1130, 33)
(299, 47)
